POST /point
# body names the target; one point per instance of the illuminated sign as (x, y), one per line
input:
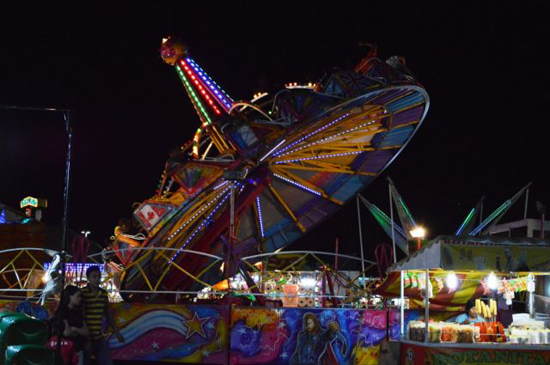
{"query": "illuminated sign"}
(29, 202)
(33, 202)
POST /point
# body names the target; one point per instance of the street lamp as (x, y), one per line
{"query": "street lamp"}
(419, 233)
(65, 222)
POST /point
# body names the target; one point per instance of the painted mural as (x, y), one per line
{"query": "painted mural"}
(395, 321)
(306, 336)
(200, 333)
(178, 333)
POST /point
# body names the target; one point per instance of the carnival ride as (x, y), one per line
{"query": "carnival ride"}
(259, 174)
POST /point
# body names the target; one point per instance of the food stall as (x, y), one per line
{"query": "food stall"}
(448, 272)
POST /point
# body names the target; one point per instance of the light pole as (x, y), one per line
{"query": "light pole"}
(65, 221)
(232, 176)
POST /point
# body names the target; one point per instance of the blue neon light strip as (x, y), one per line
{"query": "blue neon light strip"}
(325, 139)
(311, 134)
(203, 114)
(72, 267)
(298, 184)
(199, 86)
(466, 221)
(388, 220)
(206, 220)
(490, 218)
(320, 157)
(260, 216)
(223, 99)
(196, 214)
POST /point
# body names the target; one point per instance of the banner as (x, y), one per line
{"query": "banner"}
(502, 258)
(420, 355)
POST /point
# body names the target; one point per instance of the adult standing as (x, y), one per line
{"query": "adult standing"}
(73, 327)
(96, 307)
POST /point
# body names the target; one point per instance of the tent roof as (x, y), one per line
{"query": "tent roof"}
(485, 253)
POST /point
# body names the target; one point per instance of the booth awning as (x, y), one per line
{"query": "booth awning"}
(486, 253)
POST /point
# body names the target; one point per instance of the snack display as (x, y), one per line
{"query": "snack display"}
(441, 332)
(531, 333)
(488, 332)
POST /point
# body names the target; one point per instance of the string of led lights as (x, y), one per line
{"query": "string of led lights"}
(202, 91)
(260, 219)
(220, 185)
(201, 111)
(198, 213)
(320, 157)
(311, 134)
(466, 221)
(298, 184)
(499, 210)
(206, 220)
(216, 91)
(326, 139)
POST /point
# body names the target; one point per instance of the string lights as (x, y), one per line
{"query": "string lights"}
(466, 221)
(311, 134)
(295, 85)
(204, 222)
(225, 101)
(260, 216)
(490, 218)
(320, 157)
(326, 139)
(196, 214)
(196, 102)
(298, 184)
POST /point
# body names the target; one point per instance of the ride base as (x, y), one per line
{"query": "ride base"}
(217, 334)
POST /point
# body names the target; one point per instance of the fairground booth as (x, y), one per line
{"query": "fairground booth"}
(479, 296)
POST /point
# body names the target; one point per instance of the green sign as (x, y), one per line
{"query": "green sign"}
(29, 202)
(33, 202)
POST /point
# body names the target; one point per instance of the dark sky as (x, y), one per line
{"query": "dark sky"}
(482, 64)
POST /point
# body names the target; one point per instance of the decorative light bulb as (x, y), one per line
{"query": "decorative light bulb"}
(308, 282)
(492, 281)
(451, 281)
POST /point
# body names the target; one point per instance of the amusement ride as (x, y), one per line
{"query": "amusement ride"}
(259, 174)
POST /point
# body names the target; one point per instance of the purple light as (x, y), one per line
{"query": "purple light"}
(78, 267)
(298, 184)
(210, 84)
(311, 134)
(319, 157)
(196, 214)
(260, 216)
(220, 185)
(200, 226)
(327, 138)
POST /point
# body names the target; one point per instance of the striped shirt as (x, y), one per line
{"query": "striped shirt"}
(95, 306)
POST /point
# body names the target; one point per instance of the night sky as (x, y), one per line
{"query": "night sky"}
(482, 64)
